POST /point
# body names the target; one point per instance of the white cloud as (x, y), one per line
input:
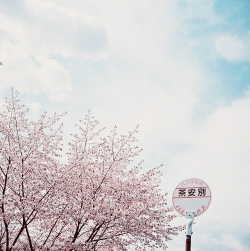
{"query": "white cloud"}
(149, 69)
(64, 31)
(34, 107)
(29, 40)
(32, 74)
(231, 242)
(233, 49)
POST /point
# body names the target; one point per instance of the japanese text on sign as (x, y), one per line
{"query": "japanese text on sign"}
(192, 192)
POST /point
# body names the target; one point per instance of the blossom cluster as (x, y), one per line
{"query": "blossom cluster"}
(96, 201)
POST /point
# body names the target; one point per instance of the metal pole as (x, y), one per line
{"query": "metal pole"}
(188, 243)
(189, 223)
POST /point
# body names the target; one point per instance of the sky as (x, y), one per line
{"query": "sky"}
(178, 68)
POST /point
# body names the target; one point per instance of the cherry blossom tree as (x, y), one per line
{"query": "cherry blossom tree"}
(97, 201)
(27, 167)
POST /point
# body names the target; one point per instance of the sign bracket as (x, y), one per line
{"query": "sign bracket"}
(189, 222)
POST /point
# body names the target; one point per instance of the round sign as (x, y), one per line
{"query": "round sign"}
(192, 195)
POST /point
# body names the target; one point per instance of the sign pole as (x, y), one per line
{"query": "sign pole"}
(189, 224)
(191, 198)
(188, 243)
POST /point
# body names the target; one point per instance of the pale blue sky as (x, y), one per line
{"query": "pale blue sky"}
(179, 69)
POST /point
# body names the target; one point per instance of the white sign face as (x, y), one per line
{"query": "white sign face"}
(192, 195)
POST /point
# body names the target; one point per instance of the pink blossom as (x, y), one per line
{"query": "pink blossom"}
(95, 202)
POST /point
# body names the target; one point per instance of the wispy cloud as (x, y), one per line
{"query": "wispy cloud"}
(233, 48)
(34, 107)
(43, 29)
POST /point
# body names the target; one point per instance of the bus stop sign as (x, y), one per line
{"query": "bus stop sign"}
(192, 195)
